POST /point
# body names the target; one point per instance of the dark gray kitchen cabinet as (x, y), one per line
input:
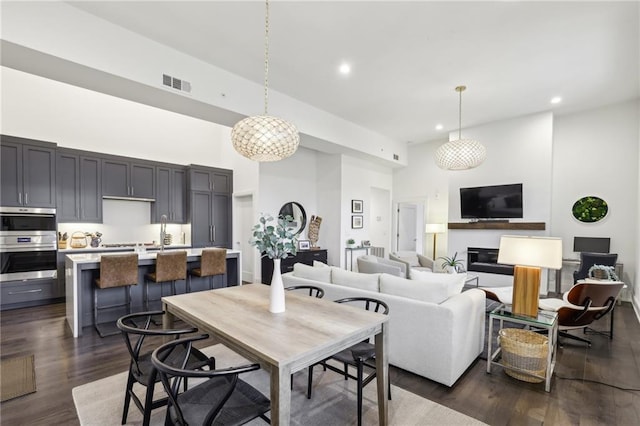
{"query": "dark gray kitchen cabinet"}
(79, 187)
(28, 176)
(171, 195)
(127, 179)
(210, 206)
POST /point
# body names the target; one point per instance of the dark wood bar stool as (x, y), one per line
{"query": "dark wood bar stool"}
(116, 270)
(213, 262)
(170, 267)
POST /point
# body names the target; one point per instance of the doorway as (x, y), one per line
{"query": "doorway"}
(409, 226)
(243, 224)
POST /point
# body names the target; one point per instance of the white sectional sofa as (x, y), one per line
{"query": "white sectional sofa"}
(435, 331)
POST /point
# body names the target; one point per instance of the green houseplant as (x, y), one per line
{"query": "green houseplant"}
(351, 243)
(452, 264)
(276, 241)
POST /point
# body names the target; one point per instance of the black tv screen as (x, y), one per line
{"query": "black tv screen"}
(491, 202)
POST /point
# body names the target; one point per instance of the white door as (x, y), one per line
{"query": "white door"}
(407, 232)
(245, 220)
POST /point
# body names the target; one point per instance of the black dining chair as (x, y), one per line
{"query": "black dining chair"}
(361, 355)
(222, 399)
(313, 290)
(136, 328)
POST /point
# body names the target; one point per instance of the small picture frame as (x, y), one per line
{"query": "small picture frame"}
(304, 244)
(356, 206)
(366, 243)
(356, 221)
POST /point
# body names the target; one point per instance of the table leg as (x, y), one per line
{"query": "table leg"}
(382, 375)
(489, 341)
(167, 322)
(280, 396)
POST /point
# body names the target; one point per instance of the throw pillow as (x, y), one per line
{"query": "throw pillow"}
(309, 272)
(454, 282)
(354, 279)
(416, 290)
(318, 264)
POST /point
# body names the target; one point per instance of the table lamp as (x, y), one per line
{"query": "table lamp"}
(435, 229)
(528, 254)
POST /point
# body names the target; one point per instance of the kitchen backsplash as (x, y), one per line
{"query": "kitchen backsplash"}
(127, 221)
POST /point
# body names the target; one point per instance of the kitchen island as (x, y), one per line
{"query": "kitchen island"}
(81, 270)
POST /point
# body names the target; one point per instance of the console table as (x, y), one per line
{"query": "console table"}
(286, 265)
(349, 251)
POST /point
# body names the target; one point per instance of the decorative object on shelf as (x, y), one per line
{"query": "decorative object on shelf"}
(356, 206)
(95, 238)
(356, 222)
(314, 230)
(277, 243)
(435, 229)
(603, 272)
(351, 243)
(296, 211)
(590, 209)
(366, 243)
(461, 154)
(452, 264)
(528, 254)
(304, 245)
(264, 137)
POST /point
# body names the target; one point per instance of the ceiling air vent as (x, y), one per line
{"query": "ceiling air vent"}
(176, 83)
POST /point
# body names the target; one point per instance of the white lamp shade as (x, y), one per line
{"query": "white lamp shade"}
(461, 154)
(542, 252)
(265, 138)
(435, 228)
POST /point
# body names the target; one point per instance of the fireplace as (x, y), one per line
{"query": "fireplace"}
(481, 259)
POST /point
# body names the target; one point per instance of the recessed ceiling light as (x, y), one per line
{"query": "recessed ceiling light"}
(556, 100)
(439, 127)
(344, 69)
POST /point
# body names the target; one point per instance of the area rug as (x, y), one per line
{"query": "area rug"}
(18, 376)
(333, 401)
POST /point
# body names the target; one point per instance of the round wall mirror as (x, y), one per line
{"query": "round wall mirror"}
(296, 211)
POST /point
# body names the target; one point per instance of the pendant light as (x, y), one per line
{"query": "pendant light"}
(264, 137)
(461, 154)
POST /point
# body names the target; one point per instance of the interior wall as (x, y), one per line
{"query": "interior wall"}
(596, 153)
(329, 205)
(380, 219)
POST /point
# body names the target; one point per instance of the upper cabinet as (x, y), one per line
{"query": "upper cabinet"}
(210, 206)
(79, 184)
(123, 178)
(171, 194)
(28, 176)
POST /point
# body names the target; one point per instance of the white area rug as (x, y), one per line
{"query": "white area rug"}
(333, 401)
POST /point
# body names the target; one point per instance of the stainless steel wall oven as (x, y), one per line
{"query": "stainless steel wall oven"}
(28, 243)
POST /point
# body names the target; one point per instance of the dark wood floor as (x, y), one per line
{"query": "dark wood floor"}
(497, 399)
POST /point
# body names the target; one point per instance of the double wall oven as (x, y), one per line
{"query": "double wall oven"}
(27, 244)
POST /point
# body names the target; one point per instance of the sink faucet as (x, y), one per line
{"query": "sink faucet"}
(163, 230)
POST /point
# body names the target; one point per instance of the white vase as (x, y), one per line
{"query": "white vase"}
(276, 297)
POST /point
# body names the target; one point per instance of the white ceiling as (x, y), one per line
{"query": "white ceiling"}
(407, 57)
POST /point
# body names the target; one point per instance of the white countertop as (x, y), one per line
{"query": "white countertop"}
(95, 257)
(103, 249)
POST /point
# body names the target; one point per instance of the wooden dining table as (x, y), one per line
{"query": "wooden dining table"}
(309, 331)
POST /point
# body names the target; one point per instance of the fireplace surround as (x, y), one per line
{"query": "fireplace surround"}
(481, 259)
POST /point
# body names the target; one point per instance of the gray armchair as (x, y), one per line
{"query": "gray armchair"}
(370, 264)
(413, 260)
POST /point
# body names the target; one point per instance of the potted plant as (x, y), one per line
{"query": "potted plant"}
(276, 241)
(351, 243)
(452, 264)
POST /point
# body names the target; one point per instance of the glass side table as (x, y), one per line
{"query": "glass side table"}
(547, 320)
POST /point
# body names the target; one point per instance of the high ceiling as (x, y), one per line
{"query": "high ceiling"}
(407, 57)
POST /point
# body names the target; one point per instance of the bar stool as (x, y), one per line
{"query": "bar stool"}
(213, 262)
(170, 267)
(116, 270)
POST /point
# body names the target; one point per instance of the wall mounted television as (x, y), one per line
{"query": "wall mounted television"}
(492, 202)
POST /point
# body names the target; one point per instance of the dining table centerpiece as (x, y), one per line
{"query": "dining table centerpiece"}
(276, 241)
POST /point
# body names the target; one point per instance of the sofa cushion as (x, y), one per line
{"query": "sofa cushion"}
(454, 282)
(354, 279)
(434, 292)
(312, 273)
(318, 264)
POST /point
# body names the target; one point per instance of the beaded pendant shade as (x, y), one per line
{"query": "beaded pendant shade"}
(461, 154)
(264, 137)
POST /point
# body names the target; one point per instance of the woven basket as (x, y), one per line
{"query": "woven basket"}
(525, 350)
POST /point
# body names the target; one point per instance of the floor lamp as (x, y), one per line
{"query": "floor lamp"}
(528, 254)
(435, 229)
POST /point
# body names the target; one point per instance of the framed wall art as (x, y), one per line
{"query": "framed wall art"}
(304, 244)
(590, 209)
(356, 206)
(356, 221)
